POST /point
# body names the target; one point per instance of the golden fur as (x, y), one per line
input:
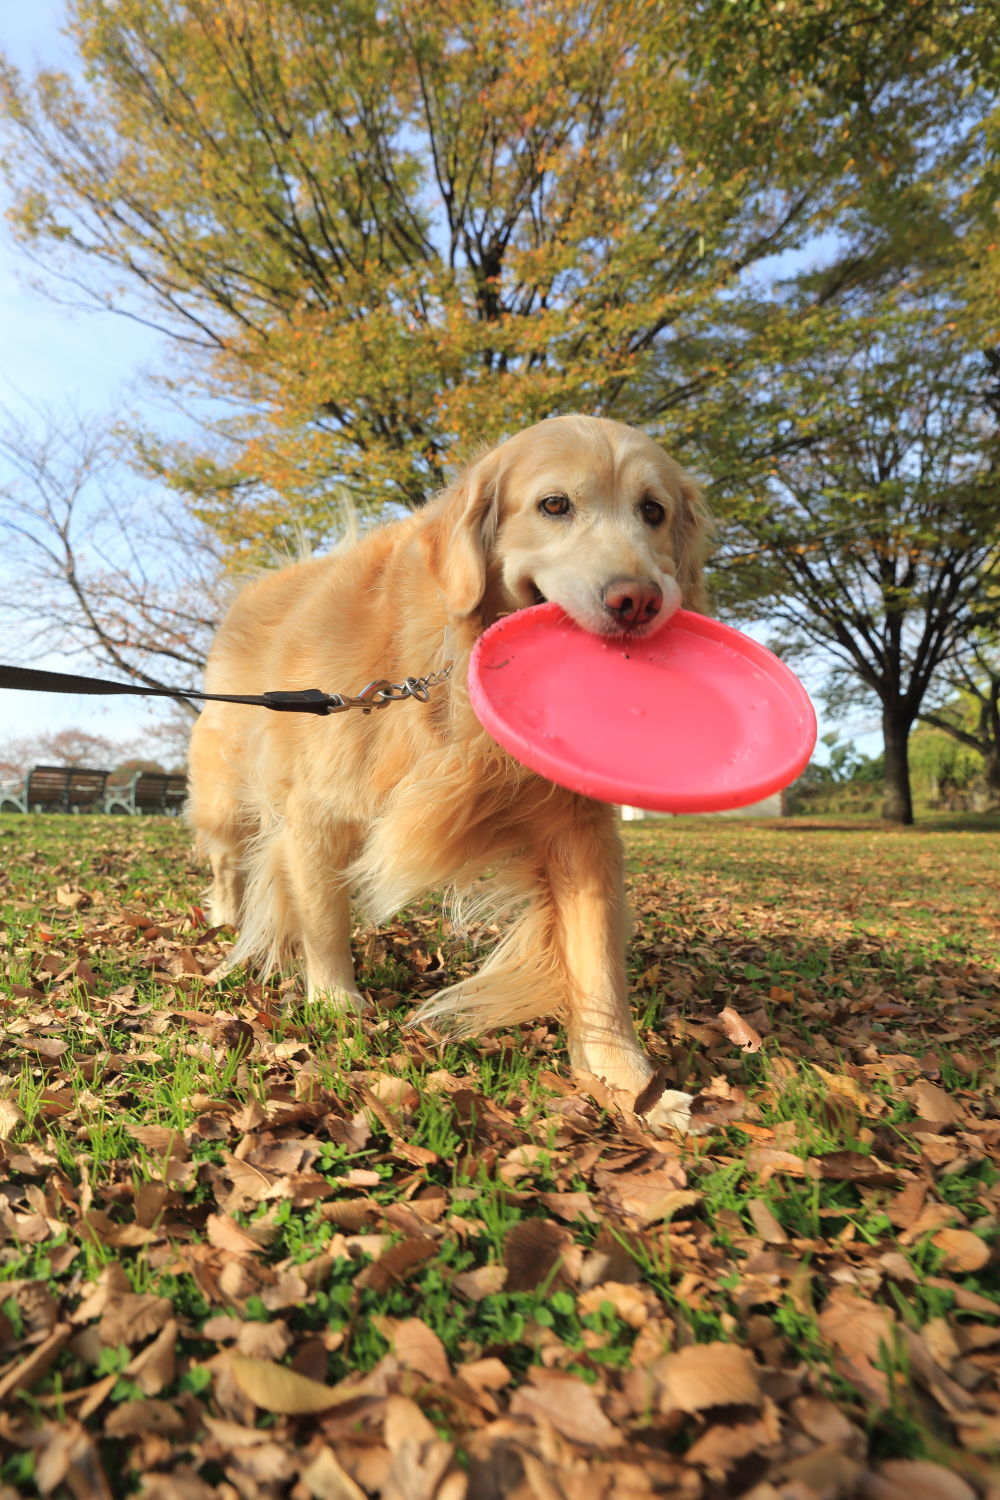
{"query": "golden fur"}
(295, 812)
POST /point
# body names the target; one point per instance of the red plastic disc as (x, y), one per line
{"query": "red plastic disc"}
(696, 718)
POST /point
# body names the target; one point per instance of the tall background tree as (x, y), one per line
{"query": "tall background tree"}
(872, 534)
(380, 232)
(966, 705)
(106, 566)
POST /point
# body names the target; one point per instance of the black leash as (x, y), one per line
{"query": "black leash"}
(307, 701)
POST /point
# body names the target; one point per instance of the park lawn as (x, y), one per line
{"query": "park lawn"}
(250, 1250)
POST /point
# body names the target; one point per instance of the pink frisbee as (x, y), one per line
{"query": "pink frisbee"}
(696, 718)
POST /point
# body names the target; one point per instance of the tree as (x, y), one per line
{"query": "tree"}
(97, 565)
(873, 536)
(847, 782)
(66, 747)
(969, 710)
(381, 232)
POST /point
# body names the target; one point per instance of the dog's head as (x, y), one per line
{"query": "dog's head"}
(586, 512)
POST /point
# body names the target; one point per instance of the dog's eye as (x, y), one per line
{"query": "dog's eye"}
(652, 512)
(555, 505)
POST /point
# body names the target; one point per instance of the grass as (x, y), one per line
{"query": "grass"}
(357, 1202)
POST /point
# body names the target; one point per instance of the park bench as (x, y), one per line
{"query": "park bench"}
(148, 792)
(55, 789)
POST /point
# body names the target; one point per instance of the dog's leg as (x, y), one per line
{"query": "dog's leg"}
(224, 823)
(225, 899)
(315, 860)
(585, 871)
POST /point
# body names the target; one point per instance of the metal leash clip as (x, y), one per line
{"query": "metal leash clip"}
(381, 692)
(375, 694)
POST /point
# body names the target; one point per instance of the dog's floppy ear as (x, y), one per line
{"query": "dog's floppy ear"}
(692, 531)
(459, 536)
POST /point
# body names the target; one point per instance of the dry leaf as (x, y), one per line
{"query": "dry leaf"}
(854, 1166)
(651, 1203)
(141, 1418)
(67, 1456)
(154, 1368)
(326, 1479)
(825, 1471)
(162, 1140)
(963, 1250)
(23, 1374)
(481, 1282)
(398, 1262)
(628, 1301)
(847, 1088)
(132, 1317)
(66, 895)
(706, 1375)
(264, 1340)
(11, 1115)
(861, 1331)
(352, 1214)
(709, 1111)
(739, 1031)
(394, 1093)
(277, 1388)
(418, 1348)
(226, 1234)
(532, 1250)
(765, 1223)
(570, 1206)
(722, 1446)
(934, 1104)
(420, 1460)
(569, 1404)
(914, 1479)
(490, 1374)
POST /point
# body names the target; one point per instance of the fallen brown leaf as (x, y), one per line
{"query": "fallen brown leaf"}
(67, 1456)
(569, 1404)
(398, 1262)
(765, 1223)
(914, 1479)
(531, 1251)
(706, 1375)
(142, 1418)
(276, 1388)
(963, 1250)
(934, 1103)
(861, 1331)
(326, 1479)
(154, 1368)
(739, 1031)
(481, 1282)
(418, 1348)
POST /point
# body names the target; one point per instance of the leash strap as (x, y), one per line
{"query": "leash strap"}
(375, 694)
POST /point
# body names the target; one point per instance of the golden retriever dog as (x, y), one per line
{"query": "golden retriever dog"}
(297, 813)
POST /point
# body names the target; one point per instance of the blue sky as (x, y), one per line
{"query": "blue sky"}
(51, 355)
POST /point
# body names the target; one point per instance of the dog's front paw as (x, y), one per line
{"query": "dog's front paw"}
(337, 1001)
(672, 1111)
(655, 1109)
(663, 1109)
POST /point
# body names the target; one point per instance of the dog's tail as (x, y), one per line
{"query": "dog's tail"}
(521, 980)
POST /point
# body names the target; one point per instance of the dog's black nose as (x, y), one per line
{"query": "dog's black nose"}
(632, 601)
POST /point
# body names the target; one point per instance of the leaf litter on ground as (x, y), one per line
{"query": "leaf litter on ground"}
(250, 1250)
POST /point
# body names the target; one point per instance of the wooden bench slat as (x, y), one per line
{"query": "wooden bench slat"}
(51, 786)
(149, 791)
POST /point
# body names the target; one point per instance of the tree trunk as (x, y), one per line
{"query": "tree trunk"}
(993, 777)
(897, 803)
